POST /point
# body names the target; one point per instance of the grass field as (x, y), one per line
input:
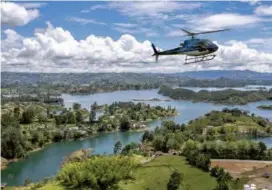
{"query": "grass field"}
(155, 174)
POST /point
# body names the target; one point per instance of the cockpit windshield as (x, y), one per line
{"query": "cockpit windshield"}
(205, 42)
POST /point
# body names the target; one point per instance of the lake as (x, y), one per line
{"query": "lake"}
(246, 88)
(46, 162)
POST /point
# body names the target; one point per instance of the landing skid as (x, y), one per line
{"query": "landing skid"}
(197, 59)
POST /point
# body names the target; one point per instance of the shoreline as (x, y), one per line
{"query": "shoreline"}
(82, 138)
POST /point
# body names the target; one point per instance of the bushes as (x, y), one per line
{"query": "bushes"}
(130, 149)
(98, 173)
(28, 115)
(199, 160)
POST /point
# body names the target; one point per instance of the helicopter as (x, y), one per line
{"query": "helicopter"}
(196, 50)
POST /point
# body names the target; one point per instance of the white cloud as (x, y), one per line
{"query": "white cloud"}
(263, 44)
(95, 7)
(206, 22)
(32, 5)
(251, 2)
(224, 20)
(152, 11)
(13, 14)
(264, 10)
(126, 25)
(56, 50)
(85, 21)
(130, 28)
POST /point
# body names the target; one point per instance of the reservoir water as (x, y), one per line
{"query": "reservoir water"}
(46, 162)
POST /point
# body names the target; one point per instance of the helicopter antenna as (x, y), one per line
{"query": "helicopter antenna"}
(193, 34)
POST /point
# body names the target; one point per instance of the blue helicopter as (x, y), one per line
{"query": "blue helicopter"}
(196, 50)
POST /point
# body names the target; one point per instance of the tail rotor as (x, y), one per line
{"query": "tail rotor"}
(156, 53)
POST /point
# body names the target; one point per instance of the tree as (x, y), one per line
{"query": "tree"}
(70, 117)
(223, 185)
(42, 117)
(28, 115)
(98, 172)
(174, 181)
(16, 112)
(170, 125)
(13, 143)
(76, 106)
(158, 142)
(262, 147)
(215, 171)
(147, 136)
(130, 148)
(8, 120)
(38, 138)
(48, 112)
(92, 116)
(94, 106)
(117, 147)
(125, 123)
(79, 117)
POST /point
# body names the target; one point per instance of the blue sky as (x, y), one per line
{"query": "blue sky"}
(157, 22)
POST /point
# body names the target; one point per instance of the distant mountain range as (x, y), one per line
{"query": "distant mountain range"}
(226, 76)
(231, 74)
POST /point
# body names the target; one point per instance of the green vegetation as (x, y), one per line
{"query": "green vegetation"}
(117, 147)
(103, 172)
(228, 96)
(229, 123)
(215, 135)
(199, 140)
(174, 181)
(156, 174)
(38, 98)
(265, 107)
(26, 127)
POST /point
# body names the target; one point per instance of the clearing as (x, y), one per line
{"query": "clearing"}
(155, 174)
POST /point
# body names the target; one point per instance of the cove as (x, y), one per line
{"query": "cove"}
(45, 163)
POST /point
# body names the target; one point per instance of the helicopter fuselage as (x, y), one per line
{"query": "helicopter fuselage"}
(192, 47)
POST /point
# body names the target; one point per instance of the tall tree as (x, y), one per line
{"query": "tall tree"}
(125, 123)
(117, 147)
(79, 117)
(92, 116)
(16, 112)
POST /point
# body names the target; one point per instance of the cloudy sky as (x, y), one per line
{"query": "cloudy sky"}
(116, 36)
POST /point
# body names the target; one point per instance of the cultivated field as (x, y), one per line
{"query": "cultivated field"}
(251, 169)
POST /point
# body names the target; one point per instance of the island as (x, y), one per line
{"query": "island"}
(151, 100)
(228, 96)
(265, 107)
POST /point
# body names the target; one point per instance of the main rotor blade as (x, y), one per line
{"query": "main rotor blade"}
(211, 31)
(204, 32)
(187, 32)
